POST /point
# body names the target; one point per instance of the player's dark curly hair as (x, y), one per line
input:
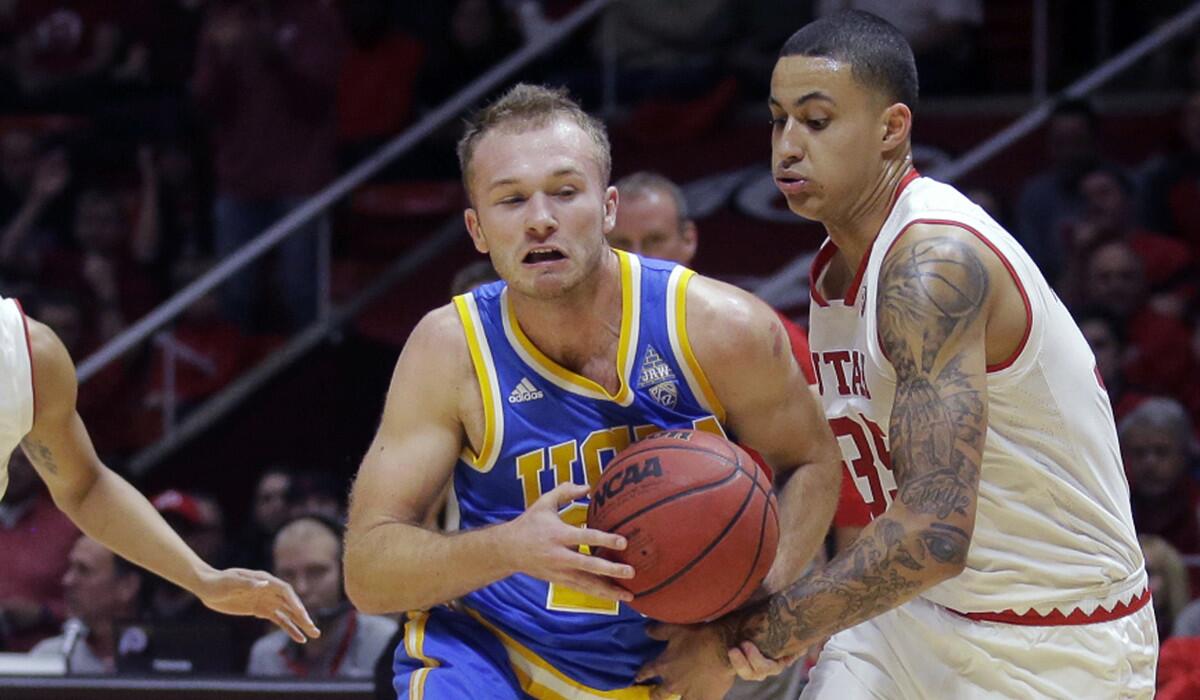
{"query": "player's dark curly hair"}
(878, 54)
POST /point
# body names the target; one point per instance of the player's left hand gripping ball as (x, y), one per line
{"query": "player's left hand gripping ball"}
(257, 593)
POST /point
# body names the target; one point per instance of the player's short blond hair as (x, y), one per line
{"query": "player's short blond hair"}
(525, 107)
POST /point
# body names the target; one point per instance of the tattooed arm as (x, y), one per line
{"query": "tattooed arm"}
(933, 304)
(116, 515)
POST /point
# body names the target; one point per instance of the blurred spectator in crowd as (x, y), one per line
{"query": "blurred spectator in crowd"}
(1155, 439)
(1170, 200)
(1051, 197)
(672, 49)
(65, 53)
(472, 275)
(1187, 622)
(35, 537)
(1158, 358)
(31, 180)
(207, 350)
(1169, 587)
(476, 35)
(308, 555)
(102, 590)
(320, 492)
(942, 34)
(1107, 194)
(200, 522)
(1105, 335)
(108, 264)
(63, 311)
(269, 511)
(266, 78)
(377, 84)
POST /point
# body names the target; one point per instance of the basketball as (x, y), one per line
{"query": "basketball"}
(700, 519)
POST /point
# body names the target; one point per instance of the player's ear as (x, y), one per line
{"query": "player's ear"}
(897, 126)
(610, 209)
(471, 219)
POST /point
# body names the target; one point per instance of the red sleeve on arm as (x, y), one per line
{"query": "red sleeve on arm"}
(800, 348)
(852, 510)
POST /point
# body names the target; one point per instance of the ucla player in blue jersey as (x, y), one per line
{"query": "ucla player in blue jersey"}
(521, 391)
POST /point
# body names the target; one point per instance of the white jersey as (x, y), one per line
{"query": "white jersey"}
(1054, 534)
(16, 383)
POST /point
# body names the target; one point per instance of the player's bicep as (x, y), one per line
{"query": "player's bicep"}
(418, 442)
(932, 305)
(746, 353)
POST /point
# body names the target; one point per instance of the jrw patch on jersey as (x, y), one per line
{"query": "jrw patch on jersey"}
(657, 375)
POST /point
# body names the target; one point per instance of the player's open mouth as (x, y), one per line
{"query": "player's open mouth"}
(543, 255)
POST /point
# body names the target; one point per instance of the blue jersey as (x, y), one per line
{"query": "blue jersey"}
(546, 425)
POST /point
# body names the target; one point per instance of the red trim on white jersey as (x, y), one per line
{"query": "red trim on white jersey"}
(827, 251)
(29, 350)
(1003, 260)
(1057, 618)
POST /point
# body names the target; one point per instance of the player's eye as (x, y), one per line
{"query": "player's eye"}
(817, 124)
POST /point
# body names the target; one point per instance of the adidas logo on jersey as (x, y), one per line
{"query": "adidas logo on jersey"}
(525, 391)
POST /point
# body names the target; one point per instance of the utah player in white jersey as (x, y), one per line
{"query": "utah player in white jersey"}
(1002, 559)
(37, 411)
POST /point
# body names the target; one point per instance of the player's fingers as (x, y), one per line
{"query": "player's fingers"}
(285, 623)
(293, 607)
(762, 667)
(563, 494)
(740, 665)
(599, 538)
(597, 586)
(646, 673)
(601, 567)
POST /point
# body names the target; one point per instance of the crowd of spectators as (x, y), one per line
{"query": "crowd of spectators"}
(147, 140)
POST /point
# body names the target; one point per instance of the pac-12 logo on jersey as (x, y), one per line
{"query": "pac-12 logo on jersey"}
(657, 374)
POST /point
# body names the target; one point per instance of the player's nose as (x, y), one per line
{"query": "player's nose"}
(540, 221)
(789, 147)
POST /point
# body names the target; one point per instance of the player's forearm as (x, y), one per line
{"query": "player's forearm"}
(897, 556)
(395, 566)
(807, 501)
(112, 512)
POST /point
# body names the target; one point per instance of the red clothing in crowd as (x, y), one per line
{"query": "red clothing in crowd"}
(1164, 259)
(34, 548)
(270, 98)
(1162, 354)
(1178, 674)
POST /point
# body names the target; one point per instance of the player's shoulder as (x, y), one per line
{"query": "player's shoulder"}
(729, 319)
(438, 342)
(54, 379)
